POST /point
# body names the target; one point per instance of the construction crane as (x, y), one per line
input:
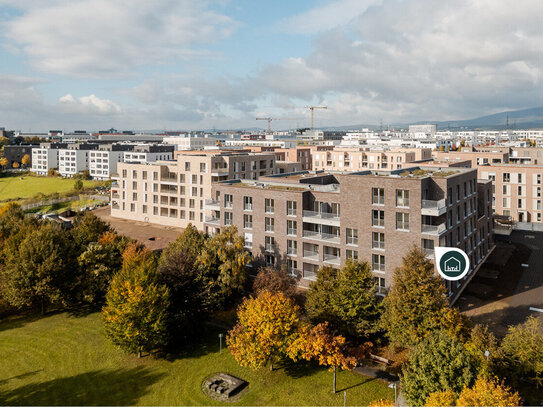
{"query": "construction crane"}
(269, 120)
(312, 108)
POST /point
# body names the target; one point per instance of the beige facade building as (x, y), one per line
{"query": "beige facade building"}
(309, 220)
(174, 193)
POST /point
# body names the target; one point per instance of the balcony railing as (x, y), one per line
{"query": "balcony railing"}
(433, 208)
(435, 230)
(332, 258)
(212, 204)
(212, 220)
(311, 255)
(321, 216)
(328, 237)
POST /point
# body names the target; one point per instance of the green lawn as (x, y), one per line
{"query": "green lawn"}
(65, 360)
(13, 187)
(62, 206)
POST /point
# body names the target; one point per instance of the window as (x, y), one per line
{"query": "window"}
(506, 177)
(292, 247)
(378, 262)
(378, 240)
(269, 224)
(291, 208)
(519, 177)
(227, 201)
(269, 205)
(352, 254)
(248, 203)
(402, 198)
(187, 166)
(202, 167)
(402, 221)
(292, 227)
(270, 260)
(227, 218)
(378, 218)
(380, 285)
(247, 221)
(132, 207)
(270, 244)
(292, 267)
(248, 240)
(378, 196)
(351, 236)
(194, 179)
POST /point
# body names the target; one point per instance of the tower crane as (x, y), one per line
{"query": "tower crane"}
(269, 120)
(312, 108)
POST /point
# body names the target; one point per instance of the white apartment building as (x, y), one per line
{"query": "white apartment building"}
(72, 161)
(103, 163)
(142, 157)
(189, 142)
(43, 159)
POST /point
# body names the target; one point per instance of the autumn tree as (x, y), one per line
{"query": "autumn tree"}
(318, 343)
(87, 228)
(275, 280)
(4, 162)
(488, 393)
(523, 351)
(136, 312)
(441, 398)
(26, 160)
(480, 341)
(346, 299)
(223, 262)
(39, 267)
(437, 363)
(266, 327)
(382, 403)
(416, 304)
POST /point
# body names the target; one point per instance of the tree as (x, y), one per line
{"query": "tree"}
(441, 398)
(4, 162)
(26, 160)
(191, 239)
(416, 304)
(15, 164)
(4, 141)
(317, 343)
(52, 172)
(437, 363)
(523, 351)
(88, 228)
(78, 185)
(274, 281)
(488, 393)
(266, 327)
(382, 403)
(319, 298)
(136, 312)
(223, 262)
(11, 219)
(480, 341)
(39, 267)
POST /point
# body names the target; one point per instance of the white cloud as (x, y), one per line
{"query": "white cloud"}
(103, 38)
(89, 105)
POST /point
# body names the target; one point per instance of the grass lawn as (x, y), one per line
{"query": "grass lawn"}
(13, 187)
(65, 360)
(62, 206)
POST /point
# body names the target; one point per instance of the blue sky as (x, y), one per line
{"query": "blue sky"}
(181, 64)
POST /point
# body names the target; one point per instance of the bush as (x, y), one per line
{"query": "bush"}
(275, 281)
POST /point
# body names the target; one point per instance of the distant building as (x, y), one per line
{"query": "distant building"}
(16, 153)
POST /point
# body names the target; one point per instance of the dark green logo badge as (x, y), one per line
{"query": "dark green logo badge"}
(452, 263)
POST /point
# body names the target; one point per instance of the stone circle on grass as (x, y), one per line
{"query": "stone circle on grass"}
(224, 387)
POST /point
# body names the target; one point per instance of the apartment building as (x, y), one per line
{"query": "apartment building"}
(46, 157)
(145, 153)
(299, 154)
(356, 159)
(481, 156)
(189, 142)
(308, 220)
(74, 159)
(177, 193)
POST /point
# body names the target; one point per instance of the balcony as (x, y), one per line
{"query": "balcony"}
(311, 255)
(212, 220)
(429, 253)
(212, 204)
(433, 208)
(434, 230)
(332, 259)
(326, 237)
(324, 218)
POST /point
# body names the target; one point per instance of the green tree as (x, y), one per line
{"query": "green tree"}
(136, 312)
(275, 280)
(480, 341)
(88, 228)
(223, 262)
(266, 327)
(39, 267)
(438, 363)
(191, 240)
(78, 185)
(523, 351)
(346, 299)
(416, 304)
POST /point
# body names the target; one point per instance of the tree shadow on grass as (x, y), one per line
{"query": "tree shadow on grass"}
(300, 369)
(361, 383)
(15, 321)
(200, 342)
(100, 387)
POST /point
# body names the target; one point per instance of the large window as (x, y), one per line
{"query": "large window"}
(227, 201)
(248, 203)
(378, 240)
(269, 243)
(292, 247)
(506, 177)
(402, 198)
(291, 208)
(227, 218)
(352, 254)
(292, 267)
(269, 205)
(292, 227)
(378, 218)
(269, 224)
(402, 221)
(378, 262)
(247, 221)
(351, 236)
(378, 196)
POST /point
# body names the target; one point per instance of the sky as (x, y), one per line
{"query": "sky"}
(188, 65)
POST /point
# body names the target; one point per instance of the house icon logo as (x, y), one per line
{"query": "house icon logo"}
(451, 263)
